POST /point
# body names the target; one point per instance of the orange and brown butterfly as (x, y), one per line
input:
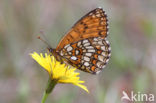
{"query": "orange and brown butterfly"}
(85, 46)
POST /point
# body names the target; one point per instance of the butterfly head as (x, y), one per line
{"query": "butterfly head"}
(51, 50)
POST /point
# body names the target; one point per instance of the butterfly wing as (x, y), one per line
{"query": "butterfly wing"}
(93, 24)
(85, 46)
(89, 55)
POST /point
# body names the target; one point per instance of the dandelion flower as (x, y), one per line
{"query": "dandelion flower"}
(60, 73)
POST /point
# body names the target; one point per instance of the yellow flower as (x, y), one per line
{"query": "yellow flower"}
(62, 73)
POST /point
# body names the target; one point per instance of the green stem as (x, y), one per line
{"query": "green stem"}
(50, 86)
(45, 95)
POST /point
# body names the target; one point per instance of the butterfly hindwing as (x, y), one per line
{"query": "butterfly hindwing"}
(89, 55)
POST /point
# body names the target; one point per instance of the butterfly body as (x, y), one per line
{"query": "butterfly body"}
(85, 46)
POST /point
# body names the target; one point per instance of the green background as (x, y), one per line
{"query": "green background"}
(132, 35)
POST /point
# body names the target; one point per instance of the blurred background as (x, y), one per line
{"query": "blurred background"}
(132, 66)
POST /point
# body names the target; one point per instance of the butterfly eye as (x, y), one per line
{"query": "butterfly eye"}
(50, 50)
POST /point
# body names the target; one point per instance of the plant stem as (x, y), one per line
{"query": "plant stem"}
(50, 86)
(45, 95)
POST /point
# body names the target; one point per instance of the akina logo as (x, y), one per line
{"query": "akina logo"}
(137, 97)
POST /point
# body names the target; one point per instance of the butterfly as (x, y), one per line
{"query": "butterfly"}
(85, 46)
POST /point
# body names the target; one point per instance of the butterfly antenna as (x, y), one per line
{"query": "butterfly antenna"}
(43, 41)
(42, 33)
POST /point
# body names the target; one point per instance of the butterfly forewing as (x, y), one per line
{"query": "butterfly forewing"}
(85, 46)
(93, 24)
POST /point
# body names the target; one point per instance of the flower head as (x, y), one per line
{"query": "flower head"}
(62, 73)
